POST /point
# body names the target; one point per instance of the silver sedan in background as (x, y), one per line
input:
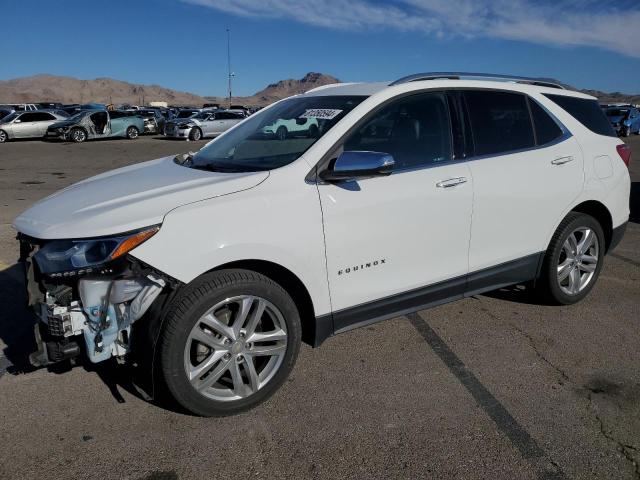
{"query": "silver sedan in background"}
(29, 124)
(203, 124)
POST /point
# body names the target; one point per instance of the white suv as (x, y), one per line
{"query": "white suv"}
(211, 268)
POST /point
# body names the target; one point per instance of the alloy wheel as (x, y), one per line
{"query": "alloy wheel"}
(79, 136)
(3, 136)
(235, 348)
(578, 260)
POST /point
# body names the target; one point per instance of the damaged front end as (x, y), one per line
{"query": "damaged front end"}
(87, 294)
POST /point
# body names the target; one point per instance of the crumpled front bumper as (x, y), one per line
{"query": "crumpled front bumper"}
(98, 324)
(93, 313)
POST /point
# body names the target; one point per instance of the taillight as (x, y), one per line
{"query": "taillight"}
(624, 151)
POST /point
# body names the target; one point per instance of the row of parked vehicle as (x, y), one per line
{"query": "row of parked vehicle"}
(624, 118)
(78, 123)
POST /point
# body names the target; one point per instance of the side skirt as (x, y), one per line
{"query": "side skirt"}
(509, 273)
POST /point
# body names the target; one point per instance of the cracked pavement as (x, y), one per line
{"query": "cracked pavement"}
(494, 386)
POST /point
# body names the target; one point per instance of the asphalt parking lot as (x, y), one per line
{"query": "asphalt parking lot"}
(494, 386)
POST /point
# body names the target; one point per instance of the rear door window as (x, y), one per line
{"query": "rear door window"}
(547, 130)
(500, 121)
(586, 111)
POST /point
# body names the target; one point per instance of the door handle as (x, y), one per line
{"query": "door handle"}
(451, 182)
(562, 160)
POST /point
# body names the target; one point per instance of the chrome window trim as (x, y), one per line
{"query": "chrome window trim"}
(313, 178)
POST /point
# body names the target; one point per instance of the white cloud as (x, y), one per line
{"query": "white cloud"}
(592, 23)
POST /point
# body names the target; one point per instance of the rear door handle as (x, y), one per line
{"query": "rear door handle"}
(562, 160)
(451, 182)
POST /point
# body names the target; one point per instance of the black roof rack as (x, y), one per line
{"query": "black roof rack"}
(467, 75)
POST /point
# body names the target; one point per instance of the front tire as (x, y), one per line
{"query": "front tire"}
(132, 133)
(626, 132)
(3, 136)
(230, 340)
(78, 135)
(282, 133)
(195, 134)
(573, 260)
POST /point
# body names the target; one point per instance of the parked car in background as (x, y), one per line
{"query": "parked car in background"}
(49, 105)
(5, 111)
(241, 109)
(202, 124)
(154, 121)
(285, 128)
(625, 119)
(91, 124)
(20, 107)
(187, 112)
(29, 124)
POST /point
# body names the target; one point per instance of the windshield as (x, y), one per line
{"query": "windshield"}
(186, 114)
(616, 112)
(275, 137)
(9, 117)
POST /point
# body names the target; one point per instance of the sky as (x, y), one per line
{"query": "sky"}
(182, 44)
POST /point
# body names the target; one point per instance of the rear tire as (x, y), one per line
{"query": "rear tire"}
(78, 135)
(216, 361)
(132, 133)
(573, 260)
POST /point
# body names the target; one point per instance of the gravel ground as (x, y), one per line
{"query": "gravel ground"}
(493, 386)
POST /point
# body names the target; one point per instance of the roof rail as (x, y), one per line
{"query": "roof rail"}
(467, 75)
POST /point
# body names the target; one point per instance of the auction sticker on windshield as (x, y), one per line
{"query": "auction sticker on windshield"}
(321, 113)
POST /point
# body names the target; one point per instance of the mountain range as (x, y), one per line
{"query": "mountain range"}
(51, 88)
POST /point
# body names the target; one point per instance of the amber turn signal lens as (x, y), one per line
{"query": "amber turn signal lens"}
(133, 241)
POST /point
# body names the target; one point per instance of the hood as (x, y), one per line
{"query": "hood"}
(616, 119)
(181, 121)
(127, 199)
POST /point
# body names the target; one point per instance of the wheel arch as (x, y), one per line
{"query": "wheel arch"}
(293, 285)
(602, 214)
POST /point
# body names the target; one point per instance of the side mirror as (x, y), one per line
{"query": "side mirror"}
(17, 120)
(357, 164)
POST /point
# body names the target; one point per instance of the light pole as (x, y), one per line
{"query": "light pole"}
(229, 62)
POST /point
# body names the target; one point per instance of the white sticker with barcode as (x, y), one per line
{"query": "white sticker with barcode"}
(321, 113)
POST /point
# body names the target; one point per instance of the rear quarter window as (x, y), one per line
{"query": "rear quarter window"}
(500, 121)
(546, 128)
(587, 112)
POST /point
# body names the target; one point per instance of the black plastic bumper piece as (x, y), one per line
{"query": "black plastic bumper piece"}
(51, 350)
(616, 236)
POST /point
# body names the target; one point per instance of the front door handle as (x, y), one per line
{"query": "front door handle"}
(451, 182)
(562, 160)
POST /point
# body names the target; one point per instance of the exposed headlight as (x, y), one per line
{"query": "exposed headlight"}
(61, 258)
